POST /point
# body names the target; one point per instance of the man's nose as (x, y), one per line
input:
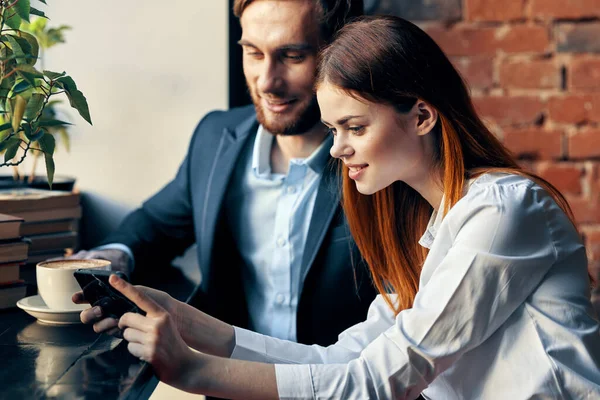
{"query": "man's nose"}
(270, 78)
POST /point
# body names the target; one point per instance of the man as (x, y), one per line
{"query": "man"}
(257, 194)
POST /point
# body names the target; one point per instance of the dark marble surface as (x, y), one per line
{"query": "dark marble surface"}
(40, 361)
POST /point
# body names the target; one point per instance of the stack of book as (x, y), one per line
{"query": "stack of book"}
(51, 220)
(13, 254)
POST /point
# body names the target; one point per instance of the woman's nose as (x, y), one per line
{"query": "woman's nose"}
(340, 148)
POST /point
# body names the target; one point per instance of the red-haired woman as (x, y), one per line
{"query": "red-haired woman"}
(483, 276)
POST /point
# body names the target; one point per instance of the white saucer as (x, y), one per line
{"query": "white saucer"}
(35, 306)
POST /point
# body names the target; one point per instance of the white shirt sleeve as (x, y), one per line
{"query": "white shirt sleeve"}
(252, 346)
(123, 248)
(502, 245)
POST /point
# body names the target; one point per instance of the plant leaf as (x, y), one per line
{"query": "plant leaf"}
(49, 169)
(47, 143)
(23, 8)
(19, 110)
(33, 137)
(64, 136)
(42, 1)
(17, 50)
(54, 75)
(76, 98)
(30, 70)
(5, 126)
(7, 83)
(21, 86)
(37, 12)
(52, 122)
(13, 19)
(9, 142)
(55, 36)
(53, 103)
(27, 130)
(28, 73)
(12, 148)
(34, 46)
(34, 106)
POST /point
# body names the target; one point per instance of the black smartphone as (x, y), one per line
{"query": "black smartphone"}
(98, 292)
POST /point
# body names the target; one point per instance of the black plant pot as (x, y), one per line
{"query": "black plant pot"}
(63, 183)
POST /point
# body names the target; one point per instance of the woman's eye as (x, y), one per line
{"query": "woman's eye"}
(356, 129)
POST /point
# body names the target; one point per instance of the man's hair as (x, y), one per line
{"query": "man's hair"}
(332, 14)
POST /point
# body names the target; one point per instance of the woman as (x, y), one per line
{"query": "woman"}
(494, 295)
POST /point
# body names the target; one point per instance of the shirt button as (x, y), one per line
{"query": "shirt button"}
(281, 242)
(280, 298)
(291, 189)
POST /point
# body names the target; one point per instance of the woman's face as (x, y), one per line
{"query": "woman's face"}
(377, 144)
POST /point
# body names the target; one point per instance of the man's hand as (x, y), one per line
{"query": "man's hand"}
(109, 326)
(119, 259)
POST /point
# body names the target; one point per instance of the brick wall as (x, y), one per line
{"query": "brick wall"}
(533, 67)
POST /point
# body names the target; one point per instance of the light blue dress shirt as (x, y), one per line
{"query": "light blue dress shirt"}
(502, 312)
(269, 216)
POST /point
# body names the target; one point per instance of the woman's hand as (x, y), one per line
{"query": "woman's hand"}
(155, 338)
(94, 315)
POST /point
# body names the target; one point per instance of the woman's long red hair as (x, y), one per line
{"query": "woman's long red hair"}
(389, 60)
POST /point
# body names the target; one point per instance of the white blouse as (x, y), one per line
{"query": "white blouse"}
(502, 312)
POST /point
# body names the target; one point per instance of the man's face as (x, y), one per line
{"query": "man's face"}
(280, 43)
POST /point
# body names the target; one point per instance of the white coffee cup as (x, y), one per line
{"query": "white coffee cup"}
(56, 283)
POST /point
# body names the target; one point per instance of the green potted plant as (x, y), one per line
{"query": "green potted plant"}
(28, 116)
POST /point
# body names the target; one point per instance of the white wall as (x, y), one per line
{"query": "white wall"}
(150, 70)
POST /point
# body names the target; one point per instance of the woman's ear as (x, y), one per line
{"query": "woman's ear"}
(427, 117)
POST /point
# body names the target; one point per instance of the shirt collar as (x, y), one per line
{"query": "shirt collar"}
(262, 150)
(437, 217)
(432, 227)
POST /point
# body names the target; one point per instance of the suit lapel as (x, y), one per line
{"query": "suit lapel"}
(326, 204)
(231, 144)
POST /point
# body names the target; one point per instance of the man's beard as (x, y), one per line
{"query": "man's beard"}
(296, 123)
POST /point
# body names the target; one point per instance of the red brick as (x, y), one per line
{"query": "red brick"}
(493, 10)
(585, 144)
(534, 143)
(468, 41)
(509, 110)
(581, 37)
(584, 74)
(536, 74)
(422, 10)
(477, 71)
(528, 165)
(574, 109)
(586, 211)
(592, 243)
(565, 176)
(564, 8)
(596, 173)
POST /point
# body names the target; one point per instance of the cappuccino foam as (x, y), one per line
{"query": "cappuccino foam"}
(74, 264)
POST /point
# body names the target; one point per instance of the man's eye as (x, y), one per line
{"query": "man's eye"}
(294, 56)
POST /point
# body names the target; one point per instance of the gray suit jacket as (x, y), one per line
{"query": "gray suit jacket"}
(337, 288)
